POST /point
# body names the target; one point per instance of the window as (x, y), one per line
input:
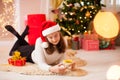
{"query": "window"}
(113, 5)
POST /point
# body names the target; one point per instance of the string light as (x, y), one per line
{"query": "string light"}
(7, 18)
(7, 1)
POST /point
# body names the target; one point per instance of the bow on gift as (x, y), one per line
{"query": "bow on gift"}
(16, 59)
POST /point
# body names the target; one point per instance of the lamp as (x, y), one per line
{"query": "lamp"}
(106, 25)
(113, 73)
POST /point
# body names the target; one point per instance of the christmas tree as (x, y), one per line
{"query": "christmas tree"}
(76, 15)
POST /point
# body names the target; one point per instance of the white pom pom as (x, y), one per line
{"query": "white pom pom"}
(44, 44)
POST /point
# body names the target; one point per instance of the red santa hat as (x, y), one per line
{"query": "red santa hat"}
(48, 27)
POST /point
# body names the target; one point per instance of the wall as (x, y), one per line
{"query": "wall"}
(27, 7)
(23, 8)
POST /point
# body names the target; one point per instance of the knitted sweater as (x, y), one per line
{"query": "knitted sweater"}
(40, 57)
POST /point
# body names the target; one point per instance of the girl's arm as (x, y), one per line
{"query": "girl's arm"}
(38, 56)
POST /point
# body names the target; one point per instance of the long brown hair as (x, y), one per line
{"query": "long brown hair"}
(61, 47)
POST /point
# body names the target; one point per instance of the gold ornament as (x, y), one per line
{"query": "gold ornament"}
(66, 30)
(77, 22)
(87, 14)
(81, 9)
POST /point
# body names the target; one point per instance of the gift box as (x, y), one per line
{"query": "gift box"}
(34, 33)
(90, 44)
(16, 59)
(34, 22)
(21, 62)
(107, 44)
(76, 42)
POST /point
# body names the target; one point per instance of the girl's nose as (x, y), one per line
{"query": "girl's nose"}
(54, 39)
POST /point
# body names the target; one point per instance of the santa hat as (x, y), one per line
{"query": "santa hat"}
(48, 27)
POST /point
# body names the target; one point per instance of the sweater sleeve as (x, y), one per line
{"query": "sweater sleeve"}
(38, 56)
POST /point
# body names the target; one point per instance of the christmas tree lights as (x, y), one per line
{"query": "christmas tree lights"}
(76, 15)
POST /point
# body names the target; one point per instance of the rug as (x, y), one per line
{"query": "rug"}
(33, 69)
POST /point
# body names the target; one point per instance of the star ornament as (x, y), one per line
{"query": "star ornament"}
(87, 14)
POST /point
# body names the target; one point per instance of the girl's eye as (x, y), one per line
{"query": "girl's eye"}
(50, 37)
(56, 35)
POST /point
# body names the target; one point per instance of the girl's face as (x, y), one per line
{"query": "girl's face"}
(54, 38)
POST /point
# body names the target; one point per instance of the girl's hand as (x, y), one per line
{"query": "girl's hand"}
(59, 69)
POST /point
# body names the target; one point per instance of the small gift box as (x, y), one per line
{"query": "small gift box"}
(17, 60)
(107, 44)
(90, 44)
(21, 62)
(90, 41)
(75, 42)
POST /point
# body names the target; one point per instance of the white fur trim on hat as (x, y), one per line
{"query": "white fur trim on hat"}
(44, 44)
(51, 30)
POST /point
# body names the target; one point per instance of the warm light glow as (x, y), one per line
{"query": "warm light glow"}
(7, 1)
(7, 17)
(113, 73)
(106, 24)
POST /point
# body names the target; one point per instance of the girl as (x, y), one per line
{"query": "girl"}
(49, 47)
